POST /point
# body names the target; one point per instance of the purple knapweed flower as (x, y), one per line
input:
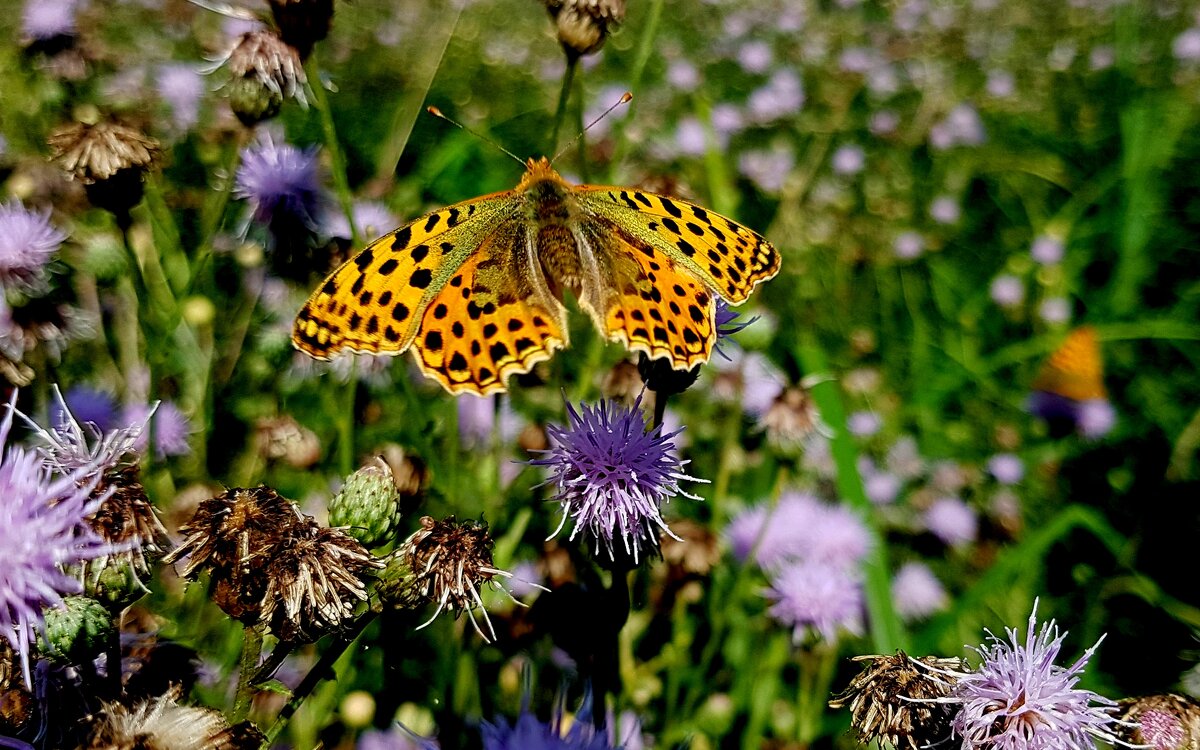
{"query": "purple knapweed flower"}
(799, 527)
(816, 599)
(169, 425)
(27, 240)
(952, 521)
(528, 733)
(945, 210)
(727, 119)
(181, 86)
(1019, 699)
(908, 245)
(1006, 468)
(372, 219)
(755, 56)
(727, 324)
(477, 419)
(612, 476)
(1007, 290)
(1186, 46)
(46, 19)
(279, 182)
(42, 529)
(883, 122)
(881, 487)
(916, 592)
(848, 159)
(1055, 310)
(864, 424)
(88, 405)
(1047, 250)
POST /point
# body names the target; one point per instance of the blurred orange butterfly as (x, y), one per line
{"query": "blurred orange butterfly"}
(1075, 370)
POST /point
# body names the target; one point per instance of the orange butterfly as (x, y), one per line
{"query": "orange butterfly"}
(476, 289)
(1075, 370)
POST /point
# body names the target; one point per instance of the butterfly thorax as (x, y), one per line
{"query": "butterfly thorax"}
(553, 212)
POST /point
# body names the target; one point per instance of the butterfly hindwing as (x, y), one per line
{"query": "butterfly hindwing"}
(373, 301)
(1076, 369)
(730, 258)
(489, 320)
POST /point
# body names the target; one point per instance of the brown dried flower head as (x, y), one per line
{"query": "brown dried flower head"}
(162, 724)
(315, 581)
(302, 23)
(234, 536)
(1161, 722)
(284, 439)
(108, 159)
(894, 700)
(449, 563)
(263, 71)
(16, 702)
(128, 515)
(623, 383)
(792, 420)
(584, 25)
(692, 550)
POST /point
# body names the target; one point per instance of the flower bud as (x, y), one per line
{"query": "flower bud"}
(78, 630)
(583, 25)
(109, 159)
(252, 100)
(366, 506)
(302, 23)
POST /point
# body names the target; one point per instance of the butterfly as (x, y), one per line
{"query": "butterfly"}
(475, 289)
(1075, 370)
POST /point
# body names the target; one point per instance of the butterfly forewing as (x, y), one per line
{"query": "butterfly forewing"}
(373, 301)
(729, 257)
(1076, 369)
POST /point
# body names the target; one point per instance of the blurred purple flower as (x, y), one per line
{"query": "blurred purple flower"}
(526, 580)
(169, 426)
(1007, 290)
(816, 599)
(1001, 84)
(43, 528)
(234, 27)
(690, 137)
(45, 19)
(848, 159)
(755, 56)
(945, 210)
(477, 420)
(279, 182)
(782, 96)
(881, 487)
(89, 406)
(396, 738)
(1186, 46)
(604, 98)
(1093, 418)
(683, 76)
(1055, 310)
(727, 324)
(527, 733)
(27, 240)
(181, 86)
(961, 127)
(1096, 418)
(864, 424)
(904, 458)
(767, 169)
(612, 476)
(917, 592)
(799, 527)
(1006, 468)
(749, 375)
(858, 59)
(884, 122)
(908, 245)
(1102, 57)
(727, 119)
(372, 219)
(1047, 250)
(1019, 698)
(952, 521)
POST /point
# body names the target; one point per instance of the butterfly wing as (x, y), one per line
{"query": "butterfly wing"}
(409, 287)
(729, 258)
(1076, 369)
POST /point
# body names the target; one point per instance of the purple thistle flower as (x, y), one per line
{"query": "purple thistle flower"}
(848, 159)
(1186, 46)
(1007, 290)
(1006, 468)
(397, 738)
(908, 245)
(816, 599)
(27, 240)
(181, 86)
(1047, 250)
(527, 733)
(42, 529)
(767, 169)
(727, 324)
(1096, 418)
(755, 56)
(881, 487)
(683, 76)
(917, 592)
(88, 405)
(727, 119)
(279, 182)
(477, 418)
(1019, 698)
(884, 122)
(799, 527)
(690, 137)
(952, 521)
(72, 445)
(46, 19)
(612, 476)
(782, 96)
(864, 424)
(945, 210)
(371, 218)
(169, 426)
(962, 126)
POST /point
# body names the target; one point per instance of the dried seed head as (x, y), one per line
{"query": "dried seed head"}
(792, 420)
(234, 537)
(162, 724)
(623, 383)
(302, 23)
(263, 71)
(449, 563)
(1161, 722)
(894, 700)
(128, 516)
(314, 582)
(108, 159)
(284, 439)
(692, 551)
(583, 25)
(367, 504)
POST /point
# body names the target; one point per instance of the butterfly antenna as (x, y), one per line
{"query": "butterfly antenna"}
(438, 113)
(625, 99)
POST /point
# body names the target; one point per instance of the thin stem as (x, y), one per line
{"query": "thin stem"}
(337, 163)
(564, 94)
(346, 423)
(645, 49)
(579, 125)
(252, 642)
(660, 407)
(214, 211)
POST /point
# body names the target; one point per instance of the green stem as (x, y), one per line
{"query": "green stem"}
(346, 423)
(252, 642)
(337, 162)
(564, 94)
(214, 211)
(645, 49)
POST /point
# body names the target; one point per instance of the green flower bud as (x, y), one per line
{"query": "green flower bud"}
(398, 585)
(367, 504)
(78, 630)
(116, 585)
(252, 100)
